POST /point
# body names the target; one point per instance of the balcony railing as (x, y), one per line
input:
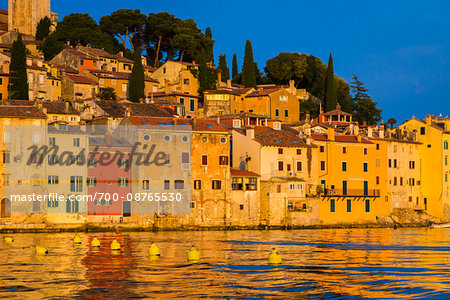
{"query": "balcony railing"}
(352, 192)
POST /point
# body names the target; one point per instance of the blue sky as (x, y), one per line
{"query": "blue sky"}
(399, 49)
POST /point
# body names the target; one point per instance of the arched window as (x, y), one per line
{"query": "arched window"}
(5, 208)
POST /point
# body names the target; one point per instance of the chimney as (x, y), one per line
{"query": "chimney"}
(364, 123)
(292, 87)
(370, 132)
(359, 138)
(308, 141)
(127, 112)
(260, 91)
(428, 119)
(67, 106)
(229, 83)
(250, 132)
(330, 133)
(141, 100)
(120, 53)
(146, 99)
(166, 86)
(44, 110)
(218, 118)
(194, 124)
(356, 129)
(308, 117)
(381, 131)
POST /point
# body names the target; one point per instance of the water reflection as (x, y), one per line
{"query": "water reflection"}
(341, 263)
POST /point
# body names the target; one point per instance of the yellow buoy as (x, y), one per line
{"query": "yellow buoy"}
(77, 240)
(193, 255)
(154, 250)
(95, 242)
(41, 250)
(274, 257)
(9, 239)
(115, 245)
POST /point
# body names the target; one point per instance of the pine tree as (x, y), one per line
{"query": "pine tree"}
(223, 68)
(43, 28)
(248, 68)
(330, 87)
(18, 78)
(234, 70)
(209, 45)
(136, 86)
(364, 108)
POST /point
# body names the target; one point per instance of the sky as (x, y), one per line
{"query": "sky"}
(399, 49)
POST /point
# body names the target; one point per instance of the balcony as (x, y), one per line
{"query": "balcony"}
(351, 193)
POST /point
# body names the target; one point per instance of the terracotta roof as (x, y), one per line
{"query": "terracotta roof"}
(3, 11)
(146, 110)
(114, 142)
(238, 172)
(340, 138)
(103, 53)
(336, 112)
(167, 102)
(151, 69)
(198, 125)
(59, 107)
(236, 92)
(111, 108)
(14, 111)
(81, 79)
(20, 102)
(243, 115)
(264, 92)
(162, 94)
(3, 26)
(279, 138)
(79, 54)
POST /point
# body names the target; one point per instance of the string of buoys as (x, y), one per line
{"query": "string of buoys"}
(154, 252)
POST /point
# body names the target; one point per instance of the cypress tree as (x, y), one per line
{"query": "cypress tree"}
(209, 45)
(136, 85)
(207, 76)
(223, 68)
(18, 78)
(248, 68)
(234, 70)
(43, 28)
(330, 87)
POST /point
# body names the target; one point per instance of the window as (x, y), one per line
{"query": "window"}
(71, 206)
(377, 162)
(81, 62)
(76, 183)
(367, 205)
(36, 137)
(299, 151)
(446, 177)
(53, 179)
(344, 166)
(292, 186)
(164, 70)
(389, 163)
(365, 167)
(322, 165)
(179, 184)
(365, 151)
(167, 184)
(145, 184)
(122, 163)
(332, 205)
(101, 81)
(422, 130)
(395, 163)
(6, 156)
(186, 81)
(41, 79)
(192, 106)
(30, 78)
(286, 113)
(91, 181)
(277, 112)
(237, 183)
(216, 184)
(344, 150)
(76, 142)
(253, 185)
(288, 167)
(395, 148)
(378, 146)
(192, 204)
(113, 82)
(280, 166)
(122, 181)
(283, 97)
(204, 160)
(445, 145)
(412, 164)
(52, 159)
(124, 87)
(377, 180)
(52, 202)
(412, 181)
(236, 123)
(185, 157)
(223, 160)
(395, 180)
(92, 162)
(280, 150)
(322, 148)
(299, 166)
(349, 205)
(446, 160)
(197, 184)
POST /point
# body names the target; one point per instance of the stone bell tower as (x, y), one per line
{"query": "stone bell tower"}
(24, 15)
